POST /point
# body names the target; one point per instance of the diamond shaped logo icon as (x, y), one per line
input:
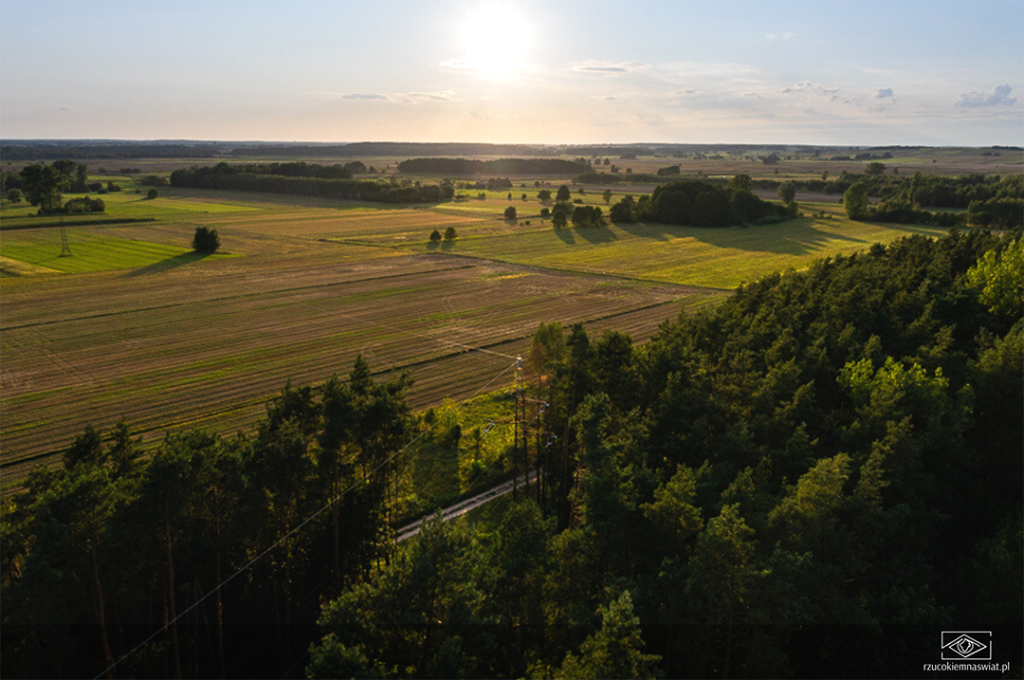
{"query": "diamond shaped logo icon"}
(967, 644)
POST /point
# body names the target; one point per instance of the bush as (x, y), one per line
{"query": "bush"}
(450, 234)
(544, 212)
(206, 240)
(152, 193)
(84, 204)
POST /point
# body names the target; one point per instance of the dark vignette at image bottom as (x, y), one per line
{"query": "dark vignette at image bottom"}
(256, 650)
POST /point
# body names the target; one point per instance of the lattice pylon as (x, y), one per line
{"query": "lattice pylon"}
(65, 249)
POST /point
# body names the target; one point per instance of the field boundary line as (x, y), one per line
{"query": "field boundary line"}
(578, 272)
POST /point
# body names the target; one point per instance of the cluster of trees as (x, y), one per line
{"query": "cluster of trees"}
(84, 204)
(502, 166)
(585, 216)
(114, 545)
(42, 185)
(926, 191)
(812, 480)
(239, 178)
(703, 204)
(450, 234)
(994, 203)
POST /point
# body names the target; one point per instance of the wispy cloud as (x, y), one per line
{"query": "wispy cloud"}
(443, 95)
(400, 97)
(999, 95)
(784, 36)
(607, 69)
(806, 87)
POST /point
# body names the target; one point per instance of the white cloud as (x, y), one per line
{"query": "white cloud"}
(443, 95)
(356, 95)
(1000, 95)
(607, 69)
(806, 87)
(784, 36)
(882, 93)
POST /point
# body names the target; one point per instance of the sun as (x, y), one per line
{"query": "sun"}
(496, 38)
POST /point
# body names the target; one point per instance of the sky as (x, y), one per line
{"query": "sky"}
(827, 72)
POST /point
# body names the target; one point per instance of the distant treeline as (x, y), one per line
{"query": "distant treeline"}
(261, 178)
(991, 202)
(503, 166)
(931, 191)
(50, 150)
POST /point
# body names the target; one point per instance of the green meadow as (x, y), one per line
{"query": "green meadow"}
(708, 257)
(90, 251)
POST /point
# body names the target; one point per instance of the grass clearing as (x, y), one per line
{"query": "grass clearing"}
(715, 258)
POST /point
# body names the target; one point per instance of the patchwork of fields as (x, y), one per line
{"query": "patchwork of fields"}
(133, 325)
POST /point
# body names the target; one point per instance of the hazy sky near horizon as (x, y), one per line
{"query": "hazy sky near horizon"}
(866, 72)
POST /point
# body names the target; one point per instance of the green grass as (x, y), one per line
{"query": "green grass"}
(715, 258)
(92, 252)
(137, 205)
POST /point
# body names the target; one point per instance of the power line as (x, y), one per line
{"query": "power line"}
(291, 533)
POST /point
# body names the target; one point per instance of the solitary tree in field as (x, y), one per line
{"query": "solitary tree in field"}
(450, 234)
(152, 193)
(435, 236)
(205, 240)
(544, 195)
(510, 212)
(855, 200)
(607, 196)
(875, 168)
(787, 192)
(563, 194)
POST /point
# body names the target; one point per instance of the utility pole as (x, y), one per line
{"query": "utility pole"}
(65, 249)
(515, 436)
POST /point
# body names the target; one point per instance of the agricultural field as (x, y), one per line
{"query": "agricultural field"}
(134, 325)
(177, 341)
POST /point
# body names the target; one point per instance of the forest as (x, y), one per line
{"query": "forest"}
(811, 480)
(501, 166)
(304, 179)
(703, 204)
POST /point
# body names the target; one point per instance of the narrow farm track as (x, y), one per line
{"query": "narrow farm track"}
(208, 345)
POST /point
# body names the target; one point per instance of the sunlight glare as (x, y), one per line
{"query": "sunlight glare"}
(496, 38)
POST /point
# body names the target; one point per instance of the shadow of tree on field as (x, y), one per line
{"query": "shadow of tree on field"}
(595, 235)
(566, 236)
(794, 237)
(168, 264)
(651, 230)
